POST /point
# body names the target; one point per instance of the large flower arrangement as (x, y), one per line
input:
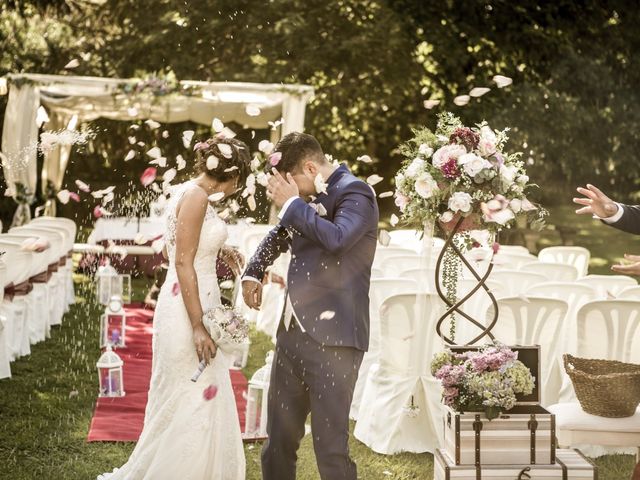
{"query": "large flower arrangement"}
(486, 380)
(461, 171)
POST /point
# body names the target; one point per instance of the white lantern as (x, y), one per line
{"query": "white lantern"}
(110, 374)
(113, 324)
(240, 355)
(256, 412)
(110, 283)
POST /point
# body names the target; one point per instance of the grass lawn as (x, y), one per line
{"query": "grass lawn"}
(45, 409)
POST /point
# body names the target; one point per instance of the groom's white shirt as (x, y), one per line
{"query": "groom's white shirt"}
(617, 216)
(289, 312)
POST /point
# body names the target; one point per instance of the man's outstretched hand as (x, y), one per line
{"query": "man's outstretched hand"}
(595, 202)
(252, 293)
(632, 268)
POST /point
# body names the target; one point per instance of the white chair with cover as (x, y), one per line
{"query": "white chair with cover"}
(251, 238)
(608, 286)
(555, 272)
(411, 239)
(607, 329)
(577, 256)
(379, 291)
(395, 265)
(476, 307)
(518, 249)
(535, 321)
(512, 261)
(268, 317)
(403, 378)
(5, 347)
(426, 278)
(382, 253)
(376, 273)
(516, 282)
(14, 305)
(629, 293)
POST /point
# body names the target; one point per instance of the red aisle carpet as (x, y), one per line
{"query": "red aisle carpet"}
(121, 419)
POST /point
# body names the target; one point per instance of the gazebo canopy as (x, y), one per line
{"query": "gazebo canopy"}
(69, 100)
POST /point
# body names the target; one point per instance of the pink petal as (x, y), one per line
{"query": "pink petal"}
(274, 158)
(97, 211)
(74, 196)
(495, 247)
(210, 392)
(148, 176)
(175, 290)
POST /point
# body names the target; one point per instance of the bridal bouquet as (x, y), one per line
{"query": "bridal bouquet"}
(458, 171)
(484, 380)
(227, 327)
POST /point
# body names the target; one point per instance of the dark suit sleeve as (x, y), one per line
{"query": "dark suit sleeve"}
(354, 214)
(630, 220)
(277, 241)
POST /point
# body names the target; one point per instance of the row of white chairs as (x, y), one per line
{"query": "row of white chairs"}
(37, 286)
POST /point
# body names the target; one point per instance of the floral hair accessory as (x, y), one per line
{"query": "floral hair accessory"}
(274, 158)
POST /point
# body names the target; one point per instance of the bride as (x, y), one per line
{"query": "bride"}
(187, 434)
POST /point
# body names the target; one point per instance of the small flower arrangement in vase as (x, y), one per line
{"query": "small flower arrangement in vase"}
(486, 380)
(462, 180)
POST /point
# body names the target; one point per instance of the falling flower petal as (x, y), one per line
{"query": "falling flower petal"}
(327, 315)
(165, 134)
(386, 194)
(181, 162)
(157, 245)
(394, 220)
(169, 175)
(210, 392)
(216, 197)
(217, 125)
(384, 238)
(319, 184)
(152, 124)
(155, 152)
(75, 63)
(187, 136)
(251, 201)
(212, 162)
(225, 150)
(265, 146)
(108, 198)
(479, 91)
(74, 196)
(132, 140)
(97, 211)
(274, 158)
(276, 124)
(148, 176)
(175, 290)
(41, 117)
(83, 186)
(429, 104)
(160, 161)
(364, 159)
(140, 239)
(130, 155)
(231, 169)
(461, 100)
(63, 196)
(252, 110)
(502, 81)
(73, 393)
(224, 214)
(226, 133)
(374, 179)
(132, 111)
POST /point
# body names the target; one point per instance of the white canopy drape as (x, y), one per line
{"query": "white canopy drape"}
(69, 100)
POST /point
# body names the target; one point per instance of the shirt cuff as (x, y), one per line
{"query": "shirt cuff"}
(251, 279)
(285, 206)
(616, 217)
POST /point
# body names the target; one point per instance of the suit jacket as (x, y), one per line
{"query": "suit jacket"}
(331, 257)
(630, 220)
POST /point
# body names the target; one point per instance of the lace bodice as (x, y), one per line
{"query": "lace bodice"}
(212, 235)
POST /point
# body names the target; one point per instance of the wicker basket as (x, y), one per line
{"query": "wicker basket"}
(606, 388)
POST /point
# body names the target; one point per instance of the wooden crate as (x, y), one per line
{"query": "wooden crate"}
(570, 465)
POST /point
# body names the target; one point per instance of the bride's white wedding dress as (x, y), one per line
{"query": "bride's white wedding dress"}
(185, 436)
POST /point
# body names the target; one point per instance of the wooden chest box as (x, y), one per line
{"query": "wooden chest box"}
(569, 465)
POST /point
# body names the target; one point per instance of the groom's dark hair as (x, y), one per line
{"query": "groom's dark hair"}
(295, 148)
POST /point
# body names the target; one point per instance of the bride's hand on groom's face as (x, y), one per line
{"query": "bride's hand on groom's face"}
(252, 294)
(279, 189)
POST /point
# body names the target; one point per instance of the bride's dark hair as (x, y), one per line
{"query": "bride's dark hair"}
(236, 162)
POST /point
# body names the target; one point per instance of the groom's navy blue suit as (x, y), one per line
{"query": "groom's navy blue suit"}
(315, 370)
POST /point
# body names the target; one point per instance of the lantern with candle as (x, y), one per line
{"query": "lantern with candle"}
(110, 374)
(256, 412)
(109, 283)
(240, 355)
(113, 324)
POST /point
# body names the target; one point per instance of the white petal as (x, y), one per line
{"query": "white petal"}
(132, 111)
(374, 179)
(429, 104)
(41, 116)
(132, 140)
(140, 239)
(182, 163)
(386, 194)
(276, 124)
(227, 133)
(75, 63)
(502, 81)
(130, 155)
(165, 134)
(231, 169)
(265, 146)
(109, 189)
(252, 110)
(155, 152)
(161, 162)
(212, 162)
(479, 91)
(157, 245)
(216, 197)
(384, 238)
(225, 150)
(251, 201)
(187, 136)
(327, 315)
(141, 144)
(107, 198)
(63, 196)
(83, 186)
(364, 159)
(152, 124)
(394, 220)
(169, 175)
(461, 100)
(217, 125)
(224, 214)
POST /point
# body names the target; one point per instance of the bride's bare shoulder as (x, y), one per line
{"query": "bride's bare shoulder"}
(194, 202)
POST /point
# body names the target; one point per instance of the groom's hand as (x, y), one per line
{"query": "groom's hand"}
(252, 293)
(595, 203)
(632, 268)
(279, 189)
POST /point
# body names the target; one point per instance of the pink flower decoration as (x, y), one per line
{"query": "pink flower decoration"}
(97, 212)
(274, 158)
(495, 247)
(148, 176)
(74, 196)
(210, 392)
(175, 290)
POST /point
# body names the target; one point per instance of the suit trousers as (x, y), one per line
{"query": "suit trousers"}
(307, 377)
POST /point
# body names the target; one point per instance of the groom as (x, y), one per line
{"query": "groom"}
(329, 220)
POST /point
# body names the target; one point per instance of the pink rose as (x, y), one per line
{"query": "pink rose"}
(274, 158)
(401, 201)
(446, 153)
